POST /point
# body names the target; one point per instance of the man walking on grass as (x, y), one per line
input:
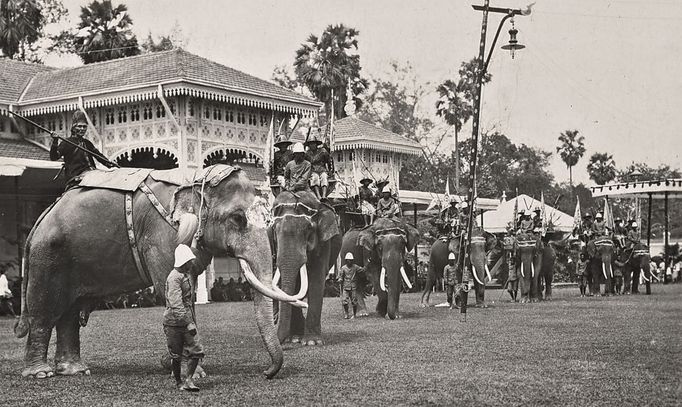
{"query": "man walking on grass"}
(179, 323)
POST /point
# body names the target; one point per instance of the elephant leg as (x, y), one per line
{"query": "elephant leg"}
(480, 295)
(627, 280)
(382, 304)
(313, 327)
(68, 353)
(549, 279)
(35, 358)
(635, 280)
(426, 294)
(525, 288)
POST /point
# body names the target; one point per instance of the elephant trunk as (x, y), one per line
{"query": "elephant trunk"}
(259, 266)
(293, 269)
(393, 282)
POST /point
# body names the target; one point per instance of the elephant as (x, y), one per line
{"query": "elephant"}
(639, 263)
(82, 250)
(380, 248)
(600, 265)
(481, 242)
(306, 241)
(529, 250)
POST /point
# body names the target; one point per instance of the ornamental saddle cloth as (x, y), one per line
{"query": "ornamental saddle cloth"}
(119, 179)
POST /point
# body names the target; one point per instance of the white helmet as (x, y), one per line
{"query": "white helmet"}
(634, 224)
(463, 204)
(183, 254)
(298, 148)
(386, 189)
(600, 215)
(451, 256)
(349, 256)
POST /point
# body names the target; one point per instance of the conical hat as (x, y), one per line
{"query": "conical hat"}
(282, 141)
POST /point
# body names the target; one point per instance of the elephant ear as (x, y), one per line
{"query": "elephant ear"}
(327, 227)
(412, 237)
(367, 239)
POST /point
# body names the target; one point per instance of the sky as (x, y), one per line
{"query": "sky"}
(608, 68)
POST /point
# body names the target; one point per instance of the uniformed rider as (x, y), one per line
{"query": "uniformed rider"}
(297, 171)
(321, 165)
(387, 207)
(76, 161)
(280, 159)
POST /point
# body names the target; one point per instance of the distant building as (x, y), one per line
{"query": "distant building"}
(161, 110)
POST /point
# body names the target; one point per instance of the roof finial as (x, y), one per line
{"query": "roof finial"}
(349, 108)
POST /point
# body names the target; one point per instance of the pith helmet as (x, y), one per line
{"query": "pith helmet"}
(349, 256)
(183, 254)
(633, 224)
(386, 189)
(600, 215)
(78, 118)
(298, 148)
(451, 256)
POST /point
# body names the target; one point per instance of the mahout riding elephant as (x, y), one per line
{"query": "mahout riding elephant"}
(600, 264)
(81, 250)
(380, 248)
(481, 243)
(306, 240)
(639, 263)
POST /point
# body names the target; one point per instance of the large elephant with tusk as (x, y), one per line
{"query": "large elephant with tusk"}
(481, 243)
(306, 241)
(380, 248)
(638, 263)
(529, 249)
(98, 242)
(600, 264)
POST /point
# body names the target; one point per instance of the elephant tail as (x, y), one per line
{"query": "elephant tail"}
(22, 326)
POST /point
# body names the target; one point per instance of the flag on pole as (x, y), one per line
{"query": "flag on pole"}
(516, 212)
(543, 218)
(577, 216)
(269, 145)
(608, 215)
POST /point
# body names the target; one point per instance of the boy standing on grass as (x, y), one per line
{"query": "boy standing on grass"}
(348, 277)
(450, 276)
(179, 323)
(580, 270)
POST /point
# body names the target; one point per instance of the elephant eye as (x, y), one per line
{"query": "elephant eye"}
(238, 219)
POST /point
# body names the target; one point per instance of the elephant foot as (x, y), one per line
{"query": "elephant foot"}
(397, 316)
(481, 305)
(534, 300)
(363, 313)
(72, 369)
(548, 298)
(199, 373)
(295, 339)
(40, 371)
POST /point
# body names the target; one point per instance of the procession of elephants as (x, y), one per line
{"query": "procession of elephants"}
(99, 241)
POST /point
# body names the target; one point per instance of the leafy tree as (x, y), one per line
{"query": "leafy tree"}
(393, 102)
(647, 173)
(456, 105)
(104, 33)
(282, 76)
(601, 168)
(22, 24)
(328, 63)
(571, 150)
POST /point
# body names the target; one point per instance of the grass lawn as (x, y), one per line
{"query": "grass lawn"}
(569, 352)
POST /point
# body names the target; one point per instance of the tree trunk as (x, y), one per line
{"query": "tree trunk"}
(570, 176)
(456, 161)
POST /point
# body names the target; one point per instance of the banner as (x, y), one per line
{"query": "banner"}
(577, 216)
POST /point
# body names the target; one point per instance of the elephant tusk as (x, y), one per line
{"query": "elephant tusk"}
(382, 279)
(643, 274)
(275, 294)
(304, 283)
(404, 274)
(532, 269)
(522, 273)
(275, 279)
(603, 269)
(487, 272)
(475, 273)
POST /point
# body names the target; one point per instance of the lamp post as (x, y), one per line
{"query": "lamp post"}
(512, 46)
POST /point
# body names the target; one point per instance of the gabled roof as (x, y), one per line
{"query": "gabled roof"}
(12, 148)
(15, 76)
(497, 221)
(351, 133)
(39, 89)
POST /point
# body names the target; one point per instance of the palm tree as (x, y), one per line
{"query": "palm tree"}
(571, 150)
(602, 168)
(20, 26)
(104, 33)
(455, 104)
(327, 63)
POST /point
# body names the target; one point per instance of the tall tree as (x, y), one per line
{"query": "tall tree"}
(22, 24)
(601, 168)
(572, 148)
(105, 33)
(455, 104)
(283, 77)
(327, 64)
(393, 102)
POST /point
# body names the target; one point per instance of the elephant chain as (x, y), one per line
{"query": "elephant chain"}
(157, 204)
(141, 270)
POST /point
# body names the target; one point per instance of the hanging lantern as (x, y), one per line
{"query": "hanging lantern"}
(513, 42)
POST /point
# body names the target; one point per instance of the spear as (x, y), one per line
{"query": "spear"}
(55, 135)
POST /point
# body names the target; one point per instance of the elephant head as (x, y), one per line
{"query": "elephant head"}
(305, 234)
(602, 249)
(223, 200)
(385, 243)
(526, 247)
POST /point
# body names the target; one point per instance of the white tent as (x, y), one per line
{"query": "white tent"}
(496, 221)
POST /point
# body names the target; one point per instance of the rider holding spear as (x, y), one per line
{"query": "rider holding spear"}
(78, 152)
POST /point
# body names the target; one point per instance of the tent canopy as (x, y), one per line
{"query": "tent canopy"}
(657, 189)
(496, 221)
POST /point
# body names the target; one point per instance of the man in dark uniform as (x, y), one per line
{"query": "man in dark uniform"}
(526, 224)
(537, 219)
(599, 227)
(366, 197)
(321, 165)
(76, 161)
(280, 159)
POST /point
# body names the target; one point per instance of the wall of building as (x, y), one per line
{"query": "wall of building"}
(368, 162)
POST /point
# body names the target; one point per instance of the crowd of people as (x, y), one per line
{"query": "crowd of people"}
(231, 291)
